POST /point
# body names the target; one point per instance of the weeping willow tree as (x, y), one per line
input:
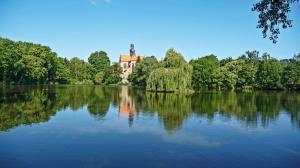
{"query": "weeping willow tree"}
(174, 75)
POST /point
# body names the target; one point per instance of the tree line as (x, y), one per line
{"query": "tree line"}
(28, 63)
(249, 71)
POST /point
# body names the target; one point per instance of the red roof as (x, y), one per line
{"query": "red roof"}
(127, 58)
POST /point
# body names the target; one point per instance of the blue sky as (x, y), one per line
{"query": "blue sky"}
(195, 28)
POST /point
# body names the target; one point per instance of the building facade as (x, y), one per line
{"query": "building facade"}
(128, 62)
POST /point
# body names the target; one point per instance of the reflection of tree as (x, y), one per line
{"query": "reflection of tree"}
(115, 98)
(77, 96)
(247, 107)
(205, 104)
(268, 106)
(291, 103)
(28, 105)
(29, 108)
(99, 100)
(140, 99)
(172, 108)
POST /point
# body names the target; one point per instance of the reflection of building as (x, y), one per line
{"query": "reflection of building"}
(127, 106)
(127, 63)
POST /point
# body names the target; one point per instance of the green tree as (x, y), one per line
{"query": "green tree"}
(239, 73)
(229, 74)
(34, 65)
(9, 61)
(113, 74)
(225, 61)
(270, 73)
(173, 59)
(247, 75)
(142, 71)
(81, 71)
(203, 69)
(291, 72)
(63, 74)
(27, 63)
(175, 75)
(99, 61)
(248, 72)
(99, 77)
(252, 55)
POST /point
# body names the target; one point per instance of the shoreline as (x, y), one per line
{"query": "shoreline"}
(189, 91)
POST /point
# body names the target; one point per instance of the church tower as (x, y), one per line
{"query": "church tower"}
(132, 50)
(128, 62)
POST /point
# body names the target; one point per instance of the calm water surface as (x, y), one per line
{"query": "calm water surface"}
(93, 126)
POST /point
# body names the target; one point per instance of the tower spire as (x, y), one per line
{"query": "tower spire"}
(132, 50)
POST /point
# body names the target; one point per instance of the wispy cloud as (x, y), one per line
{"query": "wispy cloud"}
(95, 2)
(107, 1)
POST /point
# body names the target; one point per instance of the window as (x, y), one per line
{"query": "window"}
(125, 65)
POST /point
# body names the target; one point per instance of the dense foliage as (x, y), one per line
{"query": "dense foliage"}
(250, 72)
(142, 71)
(174, 75)
(247, 72)
(203, 69)
(100, 63)
(28, 63)
(112, 75)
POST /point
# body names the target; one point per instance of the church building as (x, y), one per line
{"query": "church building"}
(128, 62)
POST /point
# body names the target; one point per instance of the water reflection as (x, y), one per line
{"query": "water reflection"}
(28, 105)
(127, 107)
(251, 108)
(172, 109)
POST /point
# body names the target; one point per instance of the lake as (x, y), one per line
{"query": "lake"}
(94, 126)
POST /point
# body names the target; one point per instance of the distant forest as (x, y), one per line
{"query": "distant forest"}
(28, 63)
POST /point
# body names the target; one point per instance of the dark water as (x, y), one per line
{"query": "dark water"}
(93, 126)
